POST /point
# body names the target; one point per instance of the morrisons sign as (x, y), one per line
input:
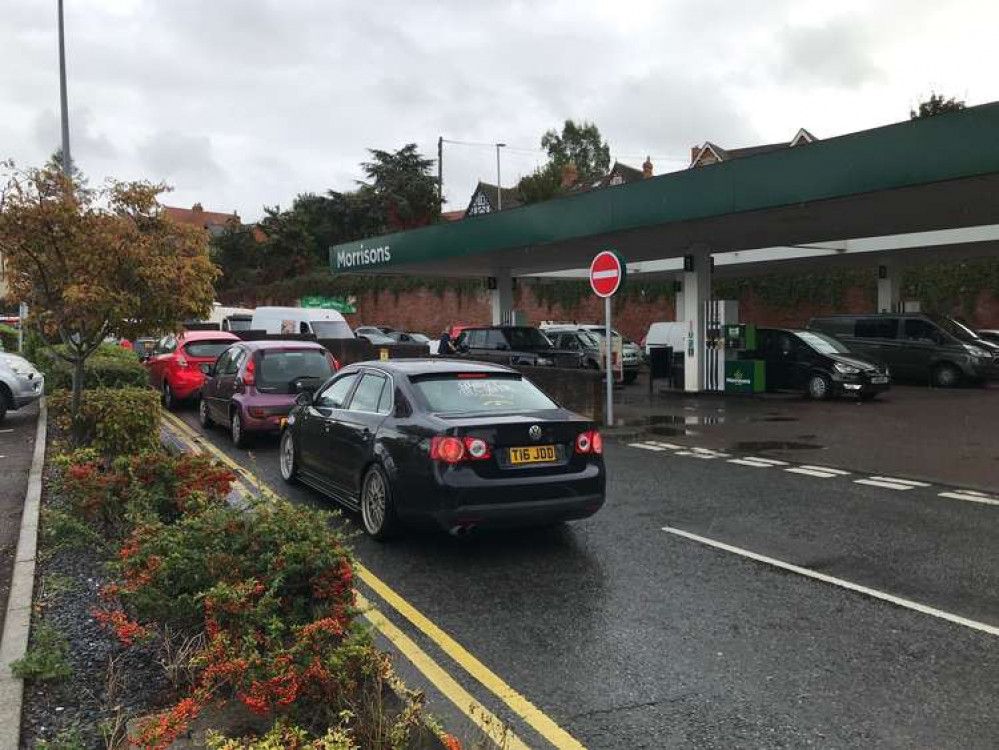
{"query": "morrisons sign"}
(343, 259)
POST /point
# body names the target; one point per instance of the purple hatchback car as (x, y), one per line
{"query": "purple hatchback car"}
(253, 384)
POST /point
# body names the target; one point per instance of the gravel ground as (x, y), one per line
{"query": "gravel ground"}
(66, 592)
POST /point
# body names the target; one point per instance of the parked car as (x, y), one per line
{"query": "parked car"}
(20, 383)
(665, 333)
(934, 349)
(589, 338)
(253, 384)
(177, 364)
(457, 444)
(401, 337)
(817, 365)
(515, 345)
(374, 335)
(324, 324)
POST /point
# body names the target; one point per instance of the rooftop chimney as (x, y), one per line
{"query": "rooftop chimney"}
(569, 175)
(695, 151)
(647, 168)
(197, 207)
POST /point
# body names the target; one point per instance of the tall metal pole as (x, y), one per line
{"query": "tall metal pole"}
(609, 364)
(499, 182)
(67, 160)
(440, 172)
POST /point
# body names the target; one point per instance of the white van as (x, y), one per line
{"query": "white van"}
(325, 324)
(666, 334)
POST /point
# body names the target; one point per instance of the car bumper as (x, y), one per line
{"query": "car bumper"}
(462, 499)
(186, 385)
(981, 369)
(847, 385)
(26, 390)
(272, 423)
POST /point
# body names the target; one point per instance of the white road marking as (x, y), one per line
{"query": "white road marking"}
(771, 461)
(712, 451)
(695, 454)
(826, 469)
(661, 444)
(11, 429)
(911, 482)
(971, 497)
(842, 583)
(750, 462)
(811, 472)
(884, 484)
(645, 446)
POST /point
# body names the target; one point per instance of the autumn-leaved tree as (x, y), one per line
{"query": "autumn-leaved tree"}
(97, 263)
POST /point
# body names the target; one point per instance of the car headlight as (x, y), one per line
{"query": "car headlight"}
(846, 369)
(974, 351)
(544, 361)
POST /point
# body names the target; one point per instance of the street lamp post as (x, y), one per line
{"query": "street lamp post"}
(67, 160)
(499, 183)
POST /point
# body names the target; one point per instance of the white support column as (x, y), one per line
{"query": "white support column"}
(889, 287)
(501, 297)
(696, 291)
(678, 311)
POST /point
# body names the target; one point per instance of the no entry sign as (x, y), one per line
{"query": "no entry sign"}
(606, 274)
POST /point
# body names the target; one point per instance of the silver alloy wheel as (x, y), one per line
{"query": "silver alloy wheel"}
(947, 376)
(818, 387)
(373, 502)
(236, 428)
(287, 457)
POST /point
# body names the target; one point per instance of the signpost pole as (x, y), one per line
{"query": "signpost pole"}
(608, 365)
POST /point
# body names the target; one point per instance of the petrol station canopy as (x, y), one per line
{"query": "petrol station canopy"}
(925, 188)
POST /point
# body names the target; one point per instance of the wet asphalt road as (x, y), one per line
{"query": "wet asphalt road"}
(629, 637)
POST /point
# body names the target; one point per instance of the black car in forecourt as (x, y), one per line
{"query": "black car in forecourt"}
(816, 364)
(443, 442)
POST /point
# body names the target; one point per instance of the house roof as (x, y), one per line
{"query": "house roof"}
(627, 174)
(452, 215)
(511, 197)
(196, 216)
(725, 154)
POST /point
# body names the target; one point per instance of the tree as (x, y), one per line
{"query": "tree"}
(54, 164)
(403, 190)
(936, 105)
(580, 144)
(93, 264)
(543, 184)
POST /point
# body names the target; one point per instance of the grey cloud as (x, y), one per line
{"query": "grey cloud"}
(180, 158)
(836, 54)
(86, 141)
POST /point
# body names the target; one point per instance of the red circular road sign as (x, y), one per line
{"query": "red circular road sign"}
(606, 274)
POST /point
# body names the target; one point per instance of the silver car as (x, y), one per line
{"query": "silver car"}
(20, 383)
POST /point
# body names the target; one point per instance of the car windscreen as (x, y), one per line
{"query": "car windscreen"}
(240, 324)
(954, 328)
(279, 369)
(419, 338)
(527, 339)
(206, 349)
(331, 329)
(822, 343)
(478, 392)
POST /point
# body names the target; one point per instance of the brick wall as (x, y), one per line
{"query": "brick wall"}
(430, 312)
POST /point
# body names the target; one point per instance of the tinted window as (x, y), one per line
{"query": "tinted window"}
(822, 343)
(279, 369)
(915, 329)
(331, 329)
(368, 395)
(238, 324)
(495, 340)
(834, 326)
(206, 349)
(527, 338)
(223, 362)
(478, 394)
(876, 328)
(335, 396)
(475, 339)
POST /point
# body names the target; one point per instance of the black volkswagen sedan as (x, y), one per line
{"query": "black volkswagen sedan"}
(458, 444)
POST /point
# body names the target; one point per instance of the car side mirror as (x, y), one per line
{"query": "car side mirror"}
(304, 398)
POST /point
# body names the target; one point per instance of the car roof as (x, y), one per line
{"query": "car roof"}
(208, 336)
(430, 366)
(281, 344)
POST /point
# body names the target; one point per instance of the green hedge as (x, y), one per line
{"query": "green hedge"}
(113, 421)
(8, 338)
(111, 366)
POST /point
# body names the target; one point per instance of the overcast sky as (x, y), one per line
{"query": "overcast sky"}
(244, 104)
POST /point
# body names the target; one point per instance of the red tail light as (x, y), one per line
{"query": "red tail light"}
(333, 362)
(590, 441)
(450, 450)
(453, 450)
(257, 412)
(249, 377)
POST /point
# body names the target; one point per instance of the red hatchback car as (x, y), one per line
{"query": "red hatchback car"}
(178, 364)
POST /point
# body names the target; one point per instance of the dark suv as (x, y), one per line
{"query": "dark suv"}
(927, 348)
(515, 345)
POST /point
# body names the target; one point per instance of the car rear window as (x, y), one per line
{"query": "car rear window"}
(331, 329)
(279, 369)
(473, 392)
(206, 349)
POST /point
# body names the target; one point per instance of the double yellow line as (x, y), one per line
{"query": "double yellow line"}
(485, 720)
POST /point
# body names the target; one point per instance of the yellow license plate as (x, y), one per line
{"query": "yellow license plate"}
(535, 454)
